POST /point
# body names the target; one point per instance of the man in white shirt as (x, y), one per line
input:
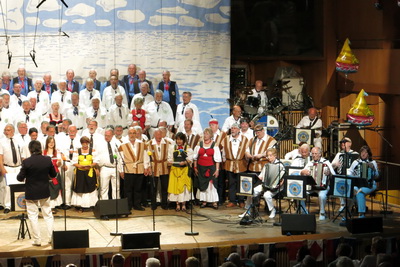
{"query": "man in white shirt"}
(119, 114)
(95, 111)
(196, 124)
(62, 96)
(234, 118)
(159, 110)
(180, 110)
(96, 139)
(245, 128)
(42, 98)
(311, 121)
(87, 94)
(111, 91)
(310, 169)
(17, 98)
(260, 94)
(107, 162)
(144, 93)
(76, 113)
(31, 118)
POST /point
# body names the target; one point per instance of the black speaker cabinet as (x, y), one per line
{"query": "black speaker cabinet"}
(298, 224)
(71, 239)
(365, 225)
(145, 240)
(109, 208)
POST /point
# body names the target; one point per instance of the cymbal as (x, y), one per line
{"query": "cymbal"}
(244, 91)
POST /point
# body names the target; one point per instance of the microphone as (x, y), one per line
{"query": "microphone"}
(9, 58)
(115, 156)
(150, 153)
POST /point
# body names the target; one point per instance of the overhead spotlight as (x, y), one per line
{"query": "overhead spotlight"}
(33, 55)
(378, 4)
(9, 58)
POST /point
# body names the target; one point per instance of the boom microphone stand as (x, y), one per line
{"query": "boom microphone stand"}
(154, 191)
(116, 233)
(191, 233)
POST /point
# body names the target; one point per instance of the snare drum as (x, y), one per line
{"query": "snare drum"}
(252, 104)
(271, 123)
(275, 105)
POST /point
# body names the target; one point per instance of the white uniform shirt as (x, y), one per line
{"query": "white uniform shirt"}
(57, 96)
(114, 117)
(180, 113)
(159, 112)
(101, 116)
(109, 96)
(147, 99)
(84, 97)
(78, 120)
(229, 122)
(43, 105)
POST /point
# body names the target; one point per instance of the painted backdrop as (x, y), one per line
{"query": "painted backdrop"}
(190, 38)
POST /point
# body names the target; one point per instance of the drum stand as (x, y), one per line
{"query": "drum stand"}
(252, 212)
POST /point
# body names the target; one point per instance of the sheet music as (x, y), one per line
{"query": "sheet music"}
(11, 179)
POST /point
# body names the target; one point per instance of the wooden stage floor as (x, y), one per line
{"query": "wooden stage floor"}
(216, 228)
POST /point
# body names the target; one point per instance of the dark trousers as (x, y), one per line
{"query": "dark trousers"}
(164, 179)
(133, 189)
(233, 179)
(146, 190)
(221, 186)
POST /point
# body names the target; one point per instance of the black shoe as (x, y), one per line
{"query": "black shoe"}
(145, 204)
(1, 208)
(164, 207)
(104, 217)
(139, 208)
(6, 211)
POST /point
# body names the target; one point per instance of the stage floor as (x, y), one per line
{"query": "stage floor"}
(215, 227)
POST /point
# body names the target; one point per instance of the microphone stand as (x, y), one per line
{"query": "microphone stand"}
(63, 194)
(279, 222)
(154, 190)
(116, 233)
(191, 233)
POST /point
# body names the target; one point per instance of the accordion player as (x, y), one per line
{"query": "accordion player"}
(365, 168)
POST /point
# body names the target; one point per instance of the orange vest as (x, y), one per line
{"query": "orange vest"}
(257, 165)
(133, 162)
(232, 164)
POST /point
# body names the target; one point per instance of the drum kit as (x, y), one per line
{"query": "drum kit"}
(258, 112)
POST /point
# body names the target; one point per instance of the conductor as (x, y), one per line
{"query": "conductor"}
(36, 171)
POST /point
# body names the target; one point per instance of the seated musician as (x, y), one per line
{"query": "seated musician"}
(271, 181)
(311, 121)
(304, 157)
(291, 155)
(339, 160)
(321, 176)
(365, 167)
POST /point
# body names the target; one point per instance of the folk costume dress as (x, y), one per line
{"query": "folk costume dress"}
(85, 183)
(207, 157)
(55, 183)
(180, 183)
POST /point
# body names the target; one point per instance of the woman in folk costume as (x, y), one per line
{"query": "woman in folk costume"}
(55, 183)
(180, 185)
(85, 183)
(207, 158)
(140, 115)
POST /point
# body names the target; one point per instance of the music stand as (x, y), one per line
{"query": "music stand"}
(342, 186)
(295, 188)
(304, 135)
(246, 188)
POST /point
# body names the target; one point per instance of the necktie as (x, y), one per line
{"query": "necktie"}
(37, 98)
(342, 167)
(62, 97)
(14, 152)
(311, 121)
(183, 108)
(48, 89)
(71, 149)
(91, 141)
(166, 87)
(95, 114)
(70, 86)
(76, 111)
(27, 118)
(259, 96)
(110, 153)
(23, 137)
(19, 100)
(91, 95)
(130, 80)
(22, 83)
(158, 106)
(120, 112)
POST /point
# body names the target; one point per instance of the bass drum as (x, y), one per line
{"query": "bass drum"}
(275, 105)
(271, 124)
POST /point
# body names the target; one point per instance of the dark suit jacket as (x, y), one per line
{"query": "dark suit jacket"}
(36, 171)
(53, 87)
(75, 86)
(97, 85)
(30, 85)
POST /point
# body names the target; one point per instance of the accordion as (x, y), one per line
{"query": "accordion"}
(366, 173)
(272, 176)
(317, 172)
(346, 160)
